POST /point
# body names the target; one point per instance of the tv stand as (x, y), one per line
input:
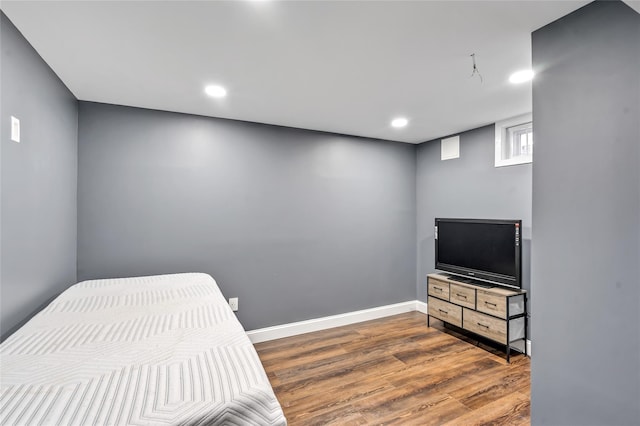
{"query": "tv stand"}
(493, 312)
(472, 282)
(461, 279)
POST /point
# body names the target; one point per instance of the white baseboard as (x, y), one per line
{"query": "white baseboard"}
(421, 306)
(324, 323)
(317, 324)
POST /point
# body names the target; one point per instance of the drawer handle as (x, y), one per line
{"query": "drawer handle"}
(461, 295)
(490, 304)
(437, 288)
(444, 312)
(482, 325)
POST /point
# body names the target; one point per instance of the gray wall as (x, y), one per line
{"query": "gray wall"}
(38, 179)
(469, 187)
(297, 224)
(586, 215)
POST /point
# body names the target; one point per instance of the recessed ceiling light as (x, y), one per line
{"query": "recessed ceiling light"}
(216, 91)
(521, 76)
(399, 122)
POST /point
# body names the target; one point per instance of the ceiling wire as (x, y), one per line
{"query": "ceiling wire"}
(475, 71)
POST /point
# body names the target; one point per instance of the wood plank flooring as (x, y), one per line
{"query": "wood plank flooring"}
(395, 370)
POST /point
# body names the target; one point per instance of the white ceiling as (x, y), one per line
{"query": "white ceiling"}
(339, 66)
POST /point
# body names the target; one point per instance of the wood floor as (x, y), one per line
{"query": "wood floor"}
(395, 370)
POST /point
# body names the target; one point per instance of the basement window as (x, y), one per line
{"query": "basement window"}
(514, 141)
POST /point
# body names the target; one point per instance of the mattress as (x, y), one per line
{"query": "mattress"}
(155, 350)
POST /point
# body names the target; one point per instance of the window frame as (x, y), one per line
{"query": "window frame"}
(501, 136)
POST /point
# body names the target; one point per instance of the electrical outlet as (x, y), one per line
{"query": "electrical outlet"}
(233, 302)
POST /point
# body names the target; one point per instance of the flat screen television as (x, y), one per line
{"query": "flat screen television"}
(481, 249)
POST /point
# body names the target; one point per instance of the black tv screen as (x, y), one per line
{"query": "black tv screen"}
(481, 249)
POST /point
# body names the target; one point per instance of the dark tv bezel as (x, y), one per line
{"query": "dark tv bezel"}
(480, 275)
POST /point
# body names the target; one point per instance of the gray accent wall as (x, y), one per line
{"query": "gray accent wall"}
(38, 180)
(469, 187)
(586, 214)
(297, 224)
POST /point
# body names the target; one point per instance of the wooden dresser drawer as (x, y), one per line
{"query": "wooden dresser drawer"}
(485, 325)
(463, 296)
(447, 312)
(438, 289)
(493, 304)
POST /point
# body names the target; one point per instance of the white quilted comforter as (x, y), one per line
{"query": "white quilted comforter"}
(164, 349)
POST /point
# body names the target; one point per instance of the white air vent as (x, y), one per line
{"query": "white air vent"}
(450, 148)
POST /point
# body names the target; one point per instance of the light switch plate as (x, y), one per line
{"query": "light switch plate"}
(15, 129)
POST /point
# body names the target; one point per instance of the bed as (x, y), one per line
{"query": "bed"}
(164, 349)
